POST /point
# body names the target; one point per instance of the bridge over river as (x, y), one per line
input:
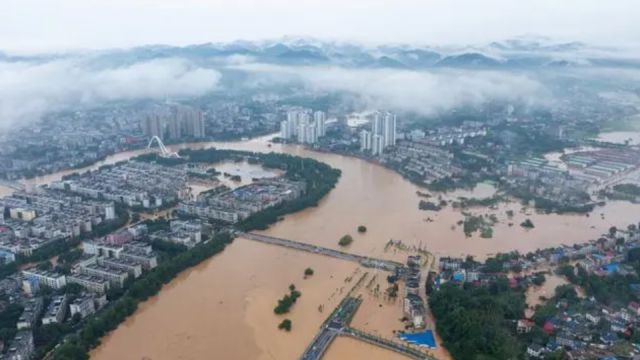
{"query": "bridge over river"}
(365, 261)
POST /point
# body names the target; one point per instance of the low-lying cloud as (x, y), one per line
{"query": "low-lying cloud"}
(423, 92)
(30, 90)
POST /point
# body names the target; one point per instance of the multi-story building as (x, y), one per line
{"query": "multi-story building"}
(83, 305)
(191, 122)
(153, 125)
(56, 311)
(47, 278)
(365, 140)
(377, 144)
(134, 268)
(320, 119)
(285, 131)
(21, 348)
(91, 283)
(115, 276)
(389, 129)
(300, 126)
(383, 132)
(30, 314)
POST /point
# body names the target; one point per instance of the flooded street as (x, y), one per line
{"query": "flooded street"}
(223, 308)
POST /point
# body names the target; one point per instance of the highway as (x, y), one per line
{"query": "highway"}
(332, 327)
(365, 261)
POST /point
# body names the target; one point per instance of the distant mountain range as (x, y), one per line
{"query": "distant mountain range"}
(513, 53)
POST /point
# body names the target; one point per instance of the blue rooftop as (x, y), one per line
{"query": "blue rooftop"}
(425, 339)
(611, 268)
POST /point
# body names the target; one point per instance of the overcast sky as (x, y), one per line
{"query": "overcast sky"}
(37, 25)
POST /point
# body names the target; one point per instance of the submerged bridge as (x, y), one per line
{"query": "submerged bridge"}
(365, 261)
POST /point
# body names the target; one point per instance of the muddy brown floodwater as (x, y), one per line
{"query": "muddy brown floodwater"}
(223, 308)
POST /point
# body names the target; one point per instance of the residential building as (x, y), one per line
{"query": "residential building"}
(56, 311)
(30, 314)
(83, 305)
(91, 283)
(47, 278)
(21, 347)
(365, 140)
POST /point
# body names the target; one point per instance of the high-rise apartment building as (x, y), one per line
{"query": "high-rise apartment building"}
(301, 126)
(377, 144)
(389, 129)
(153, 125)
(320, 119)
(180, 123)
(365, 140)
(382, 135)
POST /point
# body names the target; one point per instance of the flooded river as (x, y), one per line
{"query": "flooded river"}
(223, 308)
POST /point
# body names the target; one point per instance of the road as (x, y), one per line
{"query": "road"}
(331, 328)
(365, 261)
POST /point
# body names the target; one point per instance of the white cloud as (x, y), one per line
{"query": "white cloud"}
(29, 90)
(423, 92)
(52, 25)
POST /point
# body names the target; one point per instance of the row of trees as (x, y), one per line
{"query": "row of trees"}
(78, 346)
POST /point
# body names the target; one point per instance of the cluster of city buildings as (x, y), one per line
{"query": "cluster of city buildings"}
(58, 308)
(184, 232)
(68, 140)
(238, 204)
(584, 328)
(21, 347)
(304, 126)
(413, 306)
(420, 161)
(132, 183)
(107, 263)
(445, 136)
(174, 123)
(585, 171)
(382, 134)
(80, 138)
(42, 216)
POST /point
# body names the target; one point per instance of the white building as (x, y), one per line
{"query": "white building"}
(84, 306)
(285, 130)
(56, 310)
(383, 129)
(300, 126)
(377, 144)
(365, 140)
(389, 129)
(46, 278)
(320, 119)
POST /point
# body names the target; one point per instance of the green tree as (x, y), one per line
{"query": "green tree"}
(345, 240)
(285, 325)
(308, 271)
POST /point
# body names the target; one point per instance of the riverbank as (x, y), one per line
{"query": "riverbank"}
(189, 321)
(319, 179)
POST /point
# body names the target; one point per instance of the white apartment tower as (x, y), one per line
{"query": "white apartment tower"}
(377, 144)
(365, 140)
(300, 125)
(284, 130)
(389, 129)
(383, 132)
(320, 119)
